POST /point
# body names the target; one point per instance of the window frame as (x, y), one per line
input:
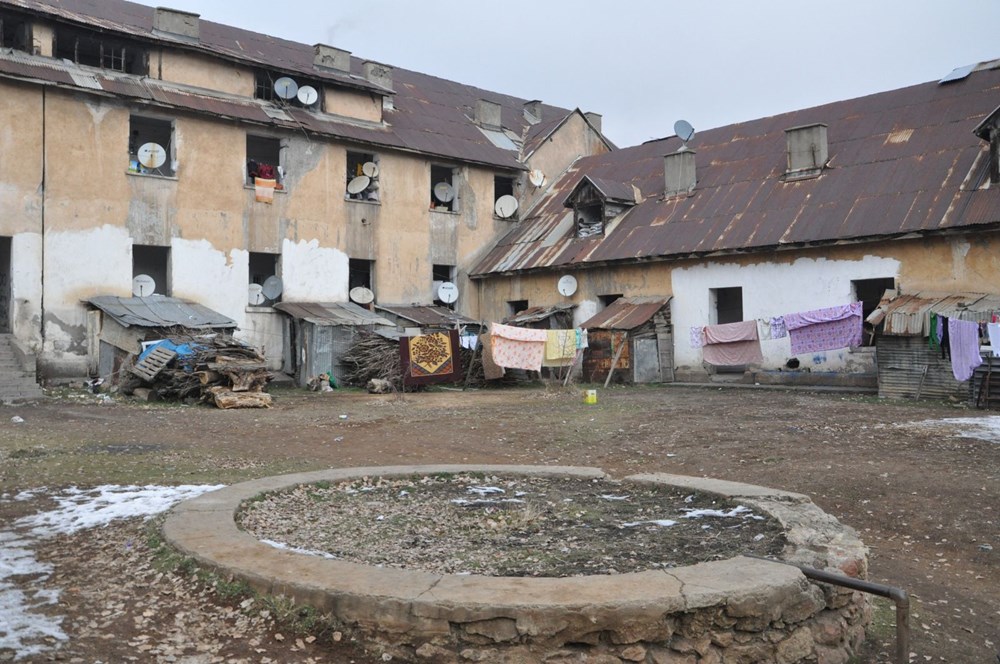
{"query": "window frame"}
(147, 132)
(281, 146)
(437, 175)
(354, 159)
(503, 185)
(151, 256)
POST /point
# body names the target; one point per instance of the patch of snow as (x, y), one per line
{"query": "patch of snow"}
(463, 502)
(978, 428)
(697, 514)
(485, 490)
(308, 552)
(663, 523)
(609, 496)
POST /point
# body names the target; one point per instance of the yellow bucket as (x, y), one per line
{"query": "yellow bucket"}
(590, 396)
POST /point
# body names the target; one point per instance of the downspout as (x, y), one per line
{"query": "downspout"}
(44, 196)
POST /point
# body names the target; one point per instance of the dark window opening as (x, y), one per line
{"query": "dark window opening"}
(608, 300)
(869, 292)
(151, 146)
(589, 220)
(5, 283)
(515, 307)
(728, 305)
(153, 262)
(360, 274)
(15, 33)
(444, 194)
(92, 50)
(362, 176)
(262, 266)
(264, 160)
(439, 275)
(503, 186)
(264, 89)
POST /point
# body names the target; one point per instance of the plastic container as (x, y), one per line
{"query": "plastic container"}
(590, 396)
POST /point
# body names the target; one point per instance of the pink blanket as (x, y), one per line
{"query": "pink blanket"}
(825, 329)
(732, 344)
(518, 347)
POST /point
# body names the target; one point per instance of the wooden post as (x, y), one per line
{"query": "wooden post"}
(618, 354)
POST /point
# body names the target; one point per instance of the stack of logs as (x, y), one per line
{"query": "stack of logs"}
(218, 370)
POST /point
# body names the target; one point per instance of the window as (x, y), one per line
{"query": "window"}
(441, 274)
(15, 32)
(515, 307)
(362, 176)
(96, 50)
(589, 220)
(153, 262)
(264, 89)
(360, 274)
(503, 186)
(869, 292)
(608, 300)
(444, 193)
(264, 160)
(151, 146)
(728, 305)
(263, 266)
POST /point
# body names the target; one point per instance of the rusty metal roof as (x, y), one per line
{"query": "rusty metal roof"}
(909, 315)
(537, 314)
(160, 311)
(431, 115)
(428, 316)
(903, 161)
(626, 313)
(332, 313)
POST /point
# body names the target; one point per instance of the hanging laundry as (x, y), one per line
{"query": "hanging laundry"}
(491, 371)
(264, 190)
(993, 330)
(763, 329)
(964, 343)
(778, 329)
(430, 358)
(518, 347)
(697, 337)
(468, 341)
(933, 334)
(560, 348)
(944, 337)
(732, 344)
(582, 340)
(824, 329)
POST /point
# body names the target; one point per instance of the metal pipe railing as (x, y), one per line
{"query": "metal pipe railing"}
(897, 595)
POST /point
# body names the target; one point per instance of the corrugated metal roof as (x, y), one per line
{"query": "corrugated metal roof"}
(429, 316)
(626, 313)
(332, 313)
(909, 315)
(901, 162)
(160, 311)
(537, 314)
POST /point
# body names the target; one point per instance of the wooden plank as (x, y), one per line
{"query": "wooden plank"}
(151, 366)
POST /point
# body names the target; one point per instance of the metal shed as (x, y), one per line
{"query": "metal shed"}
(317, 334)
(641, 327)
(908, 368)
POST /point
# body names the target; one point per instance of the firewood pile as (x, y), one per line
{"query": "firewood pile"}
(214, 369)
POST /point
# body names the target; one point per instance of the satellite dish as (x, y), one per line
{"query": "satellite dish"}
(286, 88)
(444, 192)
(447, 292)
(307, 95)
(358, 184)
(361, 295)
(506, 206)
(370, 168)
(684, 131)
(536, 177)
(255, 294)
(143, 285)
(566, 285)
(272, 287)
(152, 155)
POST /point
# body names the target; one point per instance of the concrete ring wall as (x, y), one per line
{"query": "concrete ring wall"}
(742, 609)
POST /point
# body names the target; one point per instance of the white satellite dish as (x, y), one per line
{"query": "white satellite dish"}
(307, 95)
(536, 177)
(444, 192)
(506, 206)
(361, 295)
(447, 292)
(143, 285)
(358, 184)
(566, 285)
(272, 287)
(370, 168)
(286, 88)
(255, 294)
(684, 131)
(152, 155)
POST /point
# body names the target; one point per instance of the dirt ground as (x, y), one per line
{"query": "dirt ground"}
(926, 501)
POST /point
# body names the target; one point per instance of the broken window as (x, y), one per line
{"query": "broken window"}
(515, 307)
(264, 89)
(151, 146)
(360, 274)
(503, 186)
(589, 220)
(728, 305)
(263, 266)
(96, 50)
(264, 160)
(153, 262)
(869, 292)
(362, 176)
(444, 192)
(15, 32)
(441, 274)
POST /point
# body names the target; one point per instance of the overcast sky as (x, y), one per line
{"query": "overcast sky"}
(645, 64)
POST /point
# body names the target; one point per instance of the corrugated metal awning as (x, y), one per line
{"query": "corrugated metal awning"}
(426, 315)
(332, 313)
(909, 315)
(160, 311)
(626, 313)
(537, 314)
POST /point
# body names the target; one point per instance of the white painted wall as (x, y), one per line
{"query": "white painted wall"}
(311, 273)
(771, 289)
(264, 330)
(203, 274)
(26, 289)
(585, 310)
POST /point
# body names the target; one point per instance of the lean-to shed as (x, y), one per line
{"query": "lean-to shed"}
(640, 327)
(908, 368)
(317, 334)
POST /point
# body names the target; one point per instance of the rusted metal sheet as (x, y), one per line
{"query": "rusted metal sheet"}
(160, 311)
(561, 314)
(903, 161)
(427, 316)
(332, 313)
(909, 369)
(600, 353)
(626, 313)
(909, 315)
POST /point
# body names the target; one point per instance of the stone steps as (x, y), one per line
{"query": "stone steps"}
(17, 381)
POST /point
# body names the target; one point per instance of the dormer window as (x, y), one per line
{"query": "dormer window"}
(596, 202)
(304, 93)
(989, 131)
(94, 49)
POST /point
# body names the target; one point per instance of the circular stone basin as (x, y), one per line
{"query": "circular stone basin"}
(530, 582)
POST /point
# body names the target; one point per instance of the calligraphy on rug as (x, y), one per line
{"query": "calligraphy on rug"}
(430, 358)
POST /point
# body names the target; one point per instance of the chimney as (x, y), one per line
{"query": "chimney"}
(533, 111)
(679, 173)
(176, 22)
(332, 58)
(488, 115)
(595, 119)
(377, 73)
(808, 151)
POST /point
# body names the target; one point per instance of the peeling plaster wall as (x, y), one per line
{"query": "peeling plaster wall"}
(360, 105)
(26, 289)
(312, 273)
(572, 140)
(211, 277)
(201, 71)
